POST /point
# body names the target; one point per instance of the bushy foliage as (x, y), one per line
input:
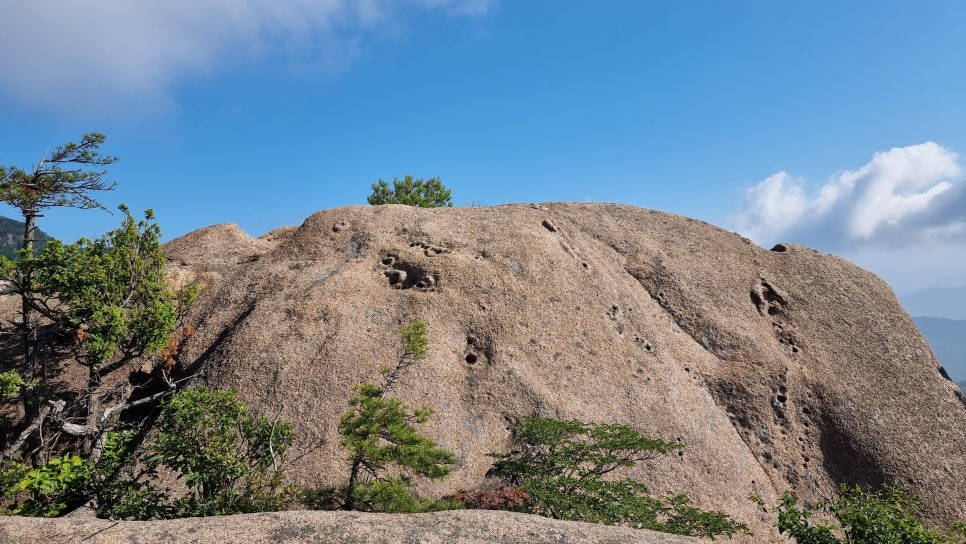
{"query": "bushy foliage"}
(126, 483)
(110, 302)
(859, 517)
(46, 491)
(10, 383)
(428, 193)
(379, 433)
(563, 467)
(231, 460)
(110, 291)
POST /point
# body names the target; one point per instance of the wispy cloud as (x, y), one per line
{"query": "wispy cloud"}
(905, 201)
(66, 54)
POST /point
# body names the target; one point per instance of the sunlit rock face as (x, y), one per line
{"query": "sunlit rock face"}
(776, 369)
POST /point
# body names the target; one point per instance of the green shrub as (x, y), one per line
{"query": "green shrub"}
(127, 487)
(48, 491)
(231, 460)
(859, 517)
(10, 384)
(428, 193)
(563, 467)
(394, 495)
(70, 481)
(11, 473)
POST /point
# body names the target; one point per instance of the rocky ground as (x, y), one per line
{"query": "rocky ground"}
(456, 527)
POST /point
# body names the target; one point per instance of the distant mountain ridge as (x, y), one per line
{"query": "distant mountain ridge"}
(11, 237)
(946, 302)
(948, 340)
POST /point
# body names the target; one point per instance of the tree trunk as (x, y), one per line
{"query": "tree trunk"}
(350, 489)
(92, 417)
(53, 409)
(28, 331)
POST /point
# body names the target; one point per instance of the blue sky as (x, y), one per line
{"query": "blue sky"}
(839, 125)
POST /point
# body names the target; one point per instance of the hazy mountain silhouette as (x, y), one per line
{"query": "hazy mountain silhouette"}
(946, 302)
(948, 339)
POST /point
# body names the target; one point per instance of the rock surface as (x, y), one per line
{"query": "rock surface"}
(776, 369)
(457, 527)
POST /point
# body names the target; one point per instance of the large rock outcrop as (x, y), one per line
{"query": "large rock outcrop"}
(776, 369)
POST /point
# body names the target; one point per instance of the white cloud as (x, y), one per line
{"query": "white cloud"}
(902, 195)
(67, 54)
(776, 204)
(906, 201)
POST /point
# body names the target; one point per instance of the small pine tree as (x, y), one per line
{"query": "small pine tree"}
(61, 179)
(379, 432)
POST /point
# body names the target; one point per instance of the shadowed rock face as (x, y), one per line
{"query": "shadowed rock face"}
(780, 369)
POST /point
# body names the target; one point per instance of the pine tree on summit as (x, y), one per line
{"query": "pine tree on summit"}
(411, 191)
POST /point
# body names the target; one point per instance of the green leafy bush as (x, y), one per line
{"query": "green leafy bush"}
(113, 291)
(859, 517)
(428, 193)
(126, 483)
(563, 467)
(48, 491)
(231, 460)
(69, 481)
(109, 302)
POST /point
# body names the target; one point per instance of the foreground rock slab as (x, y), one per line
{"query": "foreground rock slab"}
(464, 527)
